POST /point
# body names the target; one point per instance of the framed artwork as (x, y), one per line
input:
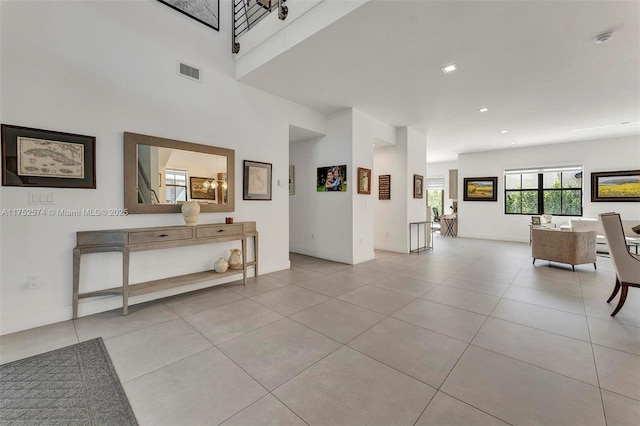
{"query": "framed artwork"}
(535, 220)
(292, 187)
(384, 187)
(481, 189)
(45, 158)
(332, 178)
(203, 11)
(615, 186)
(202, 188)
(364, 180)
(257, 181)
(418, 186)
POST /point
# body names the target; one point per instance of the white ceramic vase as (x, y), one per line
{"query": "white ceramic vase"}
(235, 259)
(221, 266)
(190, 211)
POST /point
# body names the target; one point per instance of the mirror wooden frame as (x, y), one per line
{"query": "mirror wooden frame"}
(131, 142)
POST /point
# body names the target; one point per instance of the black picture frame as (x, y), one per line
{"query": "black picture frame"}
(256, 185)
(418, 186)
(206, 12)
(616, 186)
(481, 189)
(46, 158)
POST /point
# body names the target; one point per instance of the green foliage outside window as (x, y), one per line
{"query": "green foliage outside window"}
(554, 193)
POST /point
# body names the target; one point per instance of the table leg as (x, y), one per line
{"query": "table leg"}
(76, 281)
(125, 281)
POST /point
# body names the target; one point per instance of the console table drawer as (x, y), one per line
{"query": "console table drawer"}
(160, 235)
(218, 231)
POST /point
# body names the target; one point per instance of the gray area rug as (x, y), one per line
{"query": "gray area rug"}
(76, 385)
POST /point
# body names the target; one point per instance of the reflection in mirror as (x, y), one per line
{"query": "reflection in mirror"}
(161, 174)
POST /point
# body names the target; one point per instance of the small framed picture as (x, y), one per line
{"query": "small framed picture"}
(257, 181)
(535, 220)
(292, 184)
(418, 186)
(364, 180)
(46, 158)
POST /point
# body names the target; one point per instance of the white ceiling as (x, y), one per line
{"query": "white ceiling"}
(534, 64)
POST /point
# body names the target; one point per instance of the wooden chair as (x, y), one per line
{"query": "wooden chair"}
(626, 265)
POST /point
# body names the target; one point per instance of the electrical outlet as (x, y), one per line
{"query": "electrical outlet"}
(313, 236)
(33, 281)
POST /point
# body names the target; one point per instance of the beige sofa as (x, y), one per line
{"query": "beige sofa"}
(581, 224)
(574, 248)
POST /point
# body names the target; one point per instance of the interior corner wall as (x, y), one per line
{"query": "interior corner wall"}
(390, 216)
(321, 224)
(416, 164)
(488, 220)
(111, 67)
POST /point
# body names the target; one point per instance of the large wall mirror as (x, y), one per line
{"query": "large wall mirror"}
(161, 174)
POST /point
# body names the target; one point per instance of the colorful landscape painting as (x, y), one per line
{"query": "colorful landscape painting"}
(616, 186)
(480, 189)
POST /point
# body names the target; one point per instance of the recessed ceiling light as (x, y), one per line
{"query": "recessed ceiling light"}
(449, 68)
(483, 109)
(512, 143)
(504, 131)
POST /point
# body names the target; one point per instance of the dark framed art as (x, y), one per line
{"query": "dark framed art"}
(46, 158)
(202, 188)
(621, 185)
(384, 187)
(331, 179)
(481, 189)
(256, 184)
(204, 11)
(418, 186)
(364, 180)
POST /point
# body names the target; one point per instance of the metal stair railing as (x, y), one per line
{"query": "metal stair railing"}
(247, 13)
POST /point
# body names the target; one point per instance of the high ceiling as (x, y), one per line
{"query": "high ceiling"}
(534, 64)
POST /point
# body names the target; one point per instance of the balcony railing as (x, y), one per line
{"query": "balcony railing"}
(247, 13)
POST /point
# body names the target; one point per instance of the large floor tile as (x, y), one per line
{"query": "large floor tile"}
(362, 275)
(453, 322)
(497, 276)
(113, 323)
(629, 314)
(231, 320)
(614, 335)
(446, 410)
(377, 299)
(385, 265)
(145, 350)
(35, 341)
(333, 286)
(277, 352)
(473, 284)
(563, 323)
(412, 287)
(348, 388)
(289, 300)
(339, 320)
(554, 271)
(620, 410)
(295, 275)
(563, 355)
(267, 411)
(420, 353)
(618, 371)
(547, 299)
(520, 393)
(546, 284)
(198, 301)
(206, 388)
(463, 299)
(431, 275)
(257, 285)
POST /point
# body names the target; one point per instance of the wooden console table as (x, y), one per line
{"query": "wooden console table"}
(142, 239)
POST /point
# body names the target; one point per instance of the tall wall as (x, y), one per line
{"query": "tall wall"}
(487, 219)
(101, 68)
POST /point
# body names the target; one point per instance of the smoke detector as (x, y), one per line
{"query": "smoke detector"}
(604, 37)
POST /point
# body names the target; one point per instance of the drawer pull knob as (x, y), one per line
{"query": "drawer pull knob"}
(220, 230)
(163, 235)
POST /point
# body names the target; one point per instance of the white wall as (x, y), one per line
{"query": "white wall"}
(441, 170)
(487, 219)
(102, 68)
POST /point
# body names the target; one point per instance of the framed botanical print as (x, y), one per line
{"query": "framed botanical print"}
(257, 181)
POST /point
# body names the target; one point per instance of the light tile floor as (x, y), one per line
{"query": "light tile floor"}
(471, 333)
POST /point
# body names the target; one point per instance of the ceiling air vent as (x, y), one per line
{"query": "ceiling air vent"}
(189, 71)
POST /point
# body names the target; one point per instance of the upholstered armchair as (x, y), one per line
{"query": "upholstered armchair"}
(574, 248)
